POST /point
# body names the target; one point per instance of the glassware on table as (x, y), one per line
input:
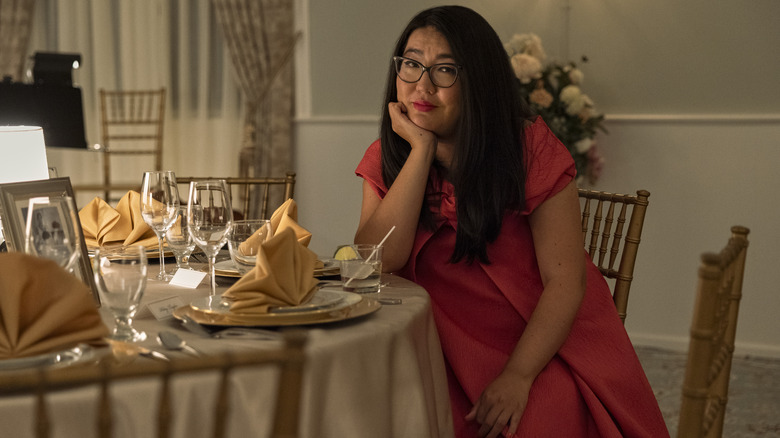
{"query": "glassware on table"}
(120, 275)
(361, 269)
(245, 256)
(159, 203)
(209, 216)
(180, 240)
(52, 230)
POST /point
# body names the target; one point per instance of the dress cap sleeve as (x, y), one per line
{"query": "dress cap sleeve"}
(550, 166)
(370, 168)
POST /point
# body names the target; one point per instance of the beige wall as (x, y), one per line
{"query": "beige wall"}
(690, 91)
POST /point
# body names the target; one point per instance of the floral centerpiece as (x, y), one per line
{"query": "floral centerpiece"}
(553, 91)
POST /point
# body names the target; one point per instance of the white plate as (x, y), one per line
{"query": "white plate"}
(226, 268)
(330, 267)
(65, 357)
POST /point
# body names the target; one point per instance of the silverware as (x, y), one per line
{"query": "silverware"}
(246, 333)
(230, 333)
(172, 341)
(152, 354)
(125, 351)
(190, 324)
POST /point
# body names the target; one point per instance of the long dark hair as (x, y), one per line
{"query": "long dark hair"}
(487, 169)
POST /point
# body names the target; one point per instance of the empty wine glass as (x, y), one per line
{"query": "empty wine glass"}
(120, 275)
(209, 216)
(52, 230)
(180, 240)
(159, 203)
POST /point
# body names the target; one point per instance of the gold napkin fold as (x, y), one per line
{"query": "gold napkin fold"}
(103, 225)
(43, 308)
(286, 216)
(282, 276)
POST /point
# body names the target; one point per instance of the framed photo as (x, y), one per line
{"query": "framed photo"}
(14, 201)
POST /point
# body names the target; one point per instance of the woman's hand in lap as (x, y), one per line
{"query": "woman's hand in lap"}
(501, 405)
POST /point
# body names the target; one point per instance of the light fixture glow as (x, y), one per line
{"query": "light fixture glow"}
(23, 154)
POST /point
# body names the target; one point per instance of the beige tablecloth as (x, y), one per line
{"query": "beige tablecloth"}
(381, 376)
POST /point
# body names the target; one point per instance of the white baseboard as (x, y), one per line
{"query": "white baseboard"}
(680, 344)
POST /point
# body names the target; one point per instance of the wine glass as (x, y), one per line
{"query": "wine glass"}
(159, 203)
(52, 230)
(209, 216)
(180, 240)
(120, 275)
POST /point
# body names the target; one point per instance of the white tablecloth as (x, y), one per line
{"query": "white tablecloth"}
(381, 375)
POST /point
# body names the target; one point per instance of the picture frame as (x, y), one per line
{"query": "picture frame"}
(14, 201)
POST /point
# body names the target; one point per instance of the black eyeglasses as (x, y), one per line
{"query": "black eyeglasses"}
(442, 75)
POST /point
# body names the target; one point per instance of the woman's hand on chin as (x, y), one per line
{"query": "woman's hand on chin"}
(408, 130)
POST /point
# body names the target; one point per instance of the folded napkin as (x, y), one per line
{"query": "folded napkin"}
(282, 276)
(43, 308)
(103, 225)
(286, 216)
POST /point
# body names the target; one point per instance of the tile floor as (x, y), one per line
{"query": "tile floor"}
(753, 409)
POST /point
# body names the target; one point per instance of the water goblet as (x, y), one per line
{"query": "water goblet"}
(180, 240)
(209, 216)
(244, 240)
(159, 203)
(120, 275)
(52, 230)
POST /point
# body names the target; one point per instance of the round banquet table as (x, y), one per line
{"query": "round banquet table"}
(378, 375)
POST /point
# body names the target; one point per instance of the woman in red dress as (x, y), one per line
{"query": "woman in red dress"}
(486, 212)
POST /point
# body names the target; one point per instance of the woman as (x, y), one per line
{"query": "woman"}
(487, 220)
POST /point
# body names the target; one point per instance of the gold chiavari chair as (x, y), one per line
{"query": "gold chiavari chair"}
(131, 124)
(289, 358)
(714, 325)
(604, 216)
(246, 190)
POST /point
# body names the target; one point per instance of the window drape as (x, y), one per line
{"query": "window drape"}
(260, 38)
(148, 44)
(15, 21)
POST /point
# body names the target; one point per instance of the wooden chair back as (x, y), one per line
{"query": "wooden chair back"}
(131, 124)
(611, 245)
(255, 196)
(714, 325)
(289, 358)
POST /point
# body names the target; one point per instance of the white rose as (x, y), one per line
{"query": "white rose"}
(526, 67)
(583, 145)
(534, 48)
(570, 93)
(527, 43)
(576, 76)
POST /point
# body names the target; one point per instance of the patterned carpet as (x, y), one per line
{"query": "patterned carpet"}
(753, 408)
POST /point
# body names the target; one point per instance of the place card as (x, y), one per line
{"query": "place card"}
(163, 308)
(188, 278)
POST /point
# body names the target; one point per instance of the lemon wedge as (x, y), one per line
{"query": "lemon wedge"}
(345, 252)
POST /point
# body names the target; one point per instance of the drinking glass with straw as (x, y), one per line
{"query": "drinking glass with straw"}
(361, 273)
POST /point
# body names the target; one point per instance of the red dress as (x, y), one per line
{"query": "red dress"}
(595, 385)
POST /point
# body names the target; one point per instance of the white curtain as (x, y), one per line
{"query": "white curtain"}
(146, 44)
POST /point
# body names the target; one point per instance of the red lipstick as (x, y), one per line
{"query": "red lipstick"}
(423, 106)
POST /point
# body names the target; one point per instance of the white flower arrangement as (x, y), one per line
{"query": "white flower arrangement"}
(553, 91)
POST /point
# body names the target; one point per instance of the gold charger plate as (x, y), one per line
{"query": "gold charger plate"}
(220, 316)
(151, 253)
